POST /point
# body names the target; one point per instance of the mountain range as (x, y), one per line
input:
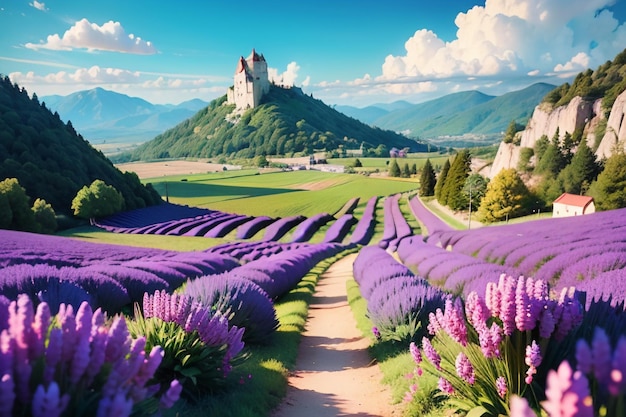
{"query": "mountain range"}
(456, 118)
(101, 115)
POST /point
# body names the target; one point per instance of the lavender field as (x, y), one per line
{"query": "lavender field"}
(512, 319)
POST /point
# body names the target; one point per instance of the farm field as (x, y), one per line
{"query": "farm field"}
(486, 315)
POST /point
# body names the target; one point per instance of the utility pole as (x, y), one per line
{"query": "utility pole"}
(469, 221)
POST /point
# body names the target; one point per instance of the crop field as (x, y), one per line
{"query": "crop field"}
(278, 194)
(206, 296)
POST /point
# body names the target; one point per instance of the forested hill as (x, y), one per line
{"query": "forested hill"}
(286, 122)
(50, 159)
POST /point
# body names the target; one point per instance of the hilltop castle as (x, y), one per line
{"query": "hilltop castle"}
(251, 82)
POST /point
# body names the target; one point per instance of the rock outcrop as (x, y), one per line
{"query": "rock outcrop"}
(579, 113)
(615, 128)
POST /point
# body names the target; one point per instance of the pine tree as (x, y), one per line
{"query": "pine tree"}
(394, 169)
(406, 171)
(441, 180)
(581, 171)
(427, 180)
(609, 190)
(452, 192)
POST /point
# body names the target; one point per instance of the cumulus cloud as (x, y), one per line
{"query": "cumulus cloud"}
(517, 41)
(39, 6)
(111, 36)
(514, 37)
(288, 77)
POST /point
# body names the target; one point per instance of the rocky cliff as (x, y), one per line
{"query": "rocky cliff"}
(578, 113)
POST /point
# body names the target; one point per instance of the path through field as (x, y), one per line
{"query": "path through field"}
(334, 374)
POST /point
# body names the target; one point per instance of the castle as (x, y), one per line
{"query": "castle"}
(251, 82)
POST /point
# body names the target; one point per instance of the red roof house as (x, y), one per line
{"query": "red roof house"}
(572, 205)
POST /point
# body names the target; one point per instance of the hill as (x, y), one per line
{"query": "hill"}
(286, 122)
(50, 159)
(102, 115)
(458, 114)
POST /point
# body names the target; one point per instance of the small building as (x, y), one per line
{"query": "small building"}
(572, 205)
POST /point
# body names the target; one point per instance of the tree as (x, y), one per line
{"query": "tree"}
(427, 180)
(475, 188)
(540, 147)
(414, 169)
(406, 171)
(451, 194)
(609, 190)
(525, 154)
(97, 200)
(511, 130)
(357, 163)
(44, 216)
(581, 171)
(21, 216)
(261, 161)
(506, 197)
(6, 215)
(441, 180)
(394, 169)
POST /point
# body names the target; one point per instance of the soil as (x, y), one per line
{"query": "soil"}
(179, 167)
(334, 374)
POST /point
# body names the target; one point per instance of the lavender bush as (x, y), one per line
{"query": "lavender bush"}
(364, 229)
(492, 348)
(198, 344)
(305, 230)
(73, 364)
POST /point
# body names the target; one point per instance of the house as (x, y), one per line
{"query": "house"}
(572, 205)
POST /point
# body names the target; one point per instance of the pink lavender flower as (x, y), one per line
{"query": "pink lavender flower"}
(501, 386)
(520, 407)
(454, 321)
(476, 310)
(567, 393)
(430, 353)
(507, 304)
(376, 333)
(493, 298)
(533, 360)
(415, 353)
(445, 386)
(464, 368)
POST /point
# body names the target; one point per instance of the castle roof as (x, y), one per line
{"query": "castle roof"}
(256, 57)
(242, 65)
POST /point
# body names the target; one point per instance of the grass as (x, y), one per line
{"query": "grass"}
(382, 164)
(277, 194)
(260, 383)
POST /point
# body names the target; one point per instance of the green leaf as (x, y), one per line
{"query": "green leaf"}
(477, 412)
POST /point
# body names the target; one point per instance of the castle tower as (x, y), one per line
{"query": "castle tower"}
(251, 82)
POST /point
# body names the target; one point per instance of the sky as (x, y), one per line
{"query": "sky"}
(342, 52)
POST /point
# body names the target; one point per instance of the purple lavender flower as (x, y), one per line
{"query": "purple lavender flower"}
(520, 407)
(533, 360)
(501, 386)
(601, 356)
(618, 374)
(7, 394)
(430, 353)
(464, 368)
(115, 405)
(171, 395)
(415, 353)
(49, 402)
(376, 333)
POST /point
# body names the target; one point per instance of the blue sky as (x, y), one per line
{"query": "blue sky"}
(340, 51)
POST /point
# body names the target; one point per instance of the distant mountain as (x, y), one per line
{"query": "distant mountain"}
(458, 114)
(50, 159)
(371, 113)
(101, 114)
(287, 121)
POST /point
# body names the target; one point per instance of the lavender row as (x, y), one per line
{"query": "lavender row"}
(398, 302)
(389, 226)
(281, 227)
(305, 230)
(364, 230)
(62, 270)
(338, 231)
(426, 217)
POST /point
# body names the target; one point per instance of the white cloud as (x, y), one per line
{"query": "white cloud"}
(520, 41)
(154, 87)
(39, 6)
(288, 77)
(111, 36)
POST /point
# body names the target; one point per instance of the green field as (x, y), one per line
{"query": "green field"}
(277, 194)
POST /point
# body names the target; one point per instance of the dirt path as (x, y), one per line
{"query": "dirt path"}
(334, 374)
